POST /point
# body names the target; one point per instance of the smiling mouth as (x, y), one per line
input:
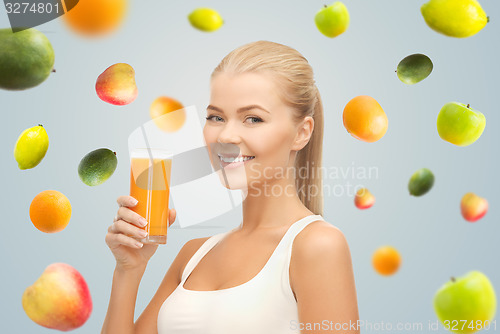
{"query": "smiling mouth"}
(231, 159)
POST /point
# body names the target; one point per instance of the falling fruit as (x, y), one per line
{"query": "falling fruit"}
(97, 166)
(59, 299)
(92, 18)
(466, 304)
(205, 19)
(386, 260)
(50, 211)
(365, 119)
(421, 182)
(31, 147)
(364, 199)
(167, 113)
(454, 18)
(116, 85)
(459, 124)
(332, 20)
(26, 59)
(473, 207)
(414, 68)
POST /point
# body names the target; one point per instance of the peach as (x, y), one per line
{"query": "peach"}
(59, 299)
(473, 207)
(364, 199)
(116, 85)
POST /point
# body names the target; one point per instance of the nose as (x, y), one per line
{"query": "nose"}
(228, 134)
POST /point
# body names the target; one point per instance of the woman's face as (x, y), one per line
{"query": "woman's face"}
(246, 117)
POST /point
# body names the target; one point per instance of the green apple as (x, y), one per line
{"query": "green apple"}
(459, 124)
(466, 304)
(332, 20)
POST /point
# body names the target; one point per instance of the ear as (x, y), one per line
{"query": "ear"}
(304, 133)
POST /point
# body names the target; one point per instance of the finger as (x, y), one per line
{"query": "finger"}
(127, 201)
(114, 240)
(172, 216)
(132, 217)
(128, 229)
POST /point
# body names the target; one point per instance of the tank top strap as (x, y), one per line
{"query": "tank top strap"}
(200, 253)
(286, 243)
(297, 227)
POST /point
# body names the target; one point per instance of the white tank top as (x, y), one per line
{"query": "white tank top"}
(264, 304)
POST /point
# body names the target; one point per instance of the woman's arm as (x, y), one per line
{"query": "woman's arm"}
(323, 281)
(147, 323)
(120, 315)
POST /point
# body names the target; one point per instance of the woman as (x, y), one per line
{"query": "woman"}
(264, 103)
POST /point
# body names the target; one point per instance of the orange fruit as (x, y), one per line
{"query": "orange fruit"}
(167, 113)
(96, 17)
(386, 260)
(365, 119)
(50, 211)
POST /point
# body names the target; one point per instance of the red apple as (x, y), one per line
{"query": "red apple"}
(59, 299)
(116, 85)
(363, 199)
(473, 207)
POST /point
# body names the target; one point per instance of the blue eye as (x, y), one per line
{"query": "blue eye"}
(257, 119)
(208, 118)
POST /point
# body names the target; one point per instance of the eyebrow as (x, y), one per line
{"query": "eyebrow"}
(240, 110)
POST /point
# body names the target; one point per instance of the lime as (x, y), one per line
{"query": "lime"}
(414, 68)
(97, 166)
(421, 182)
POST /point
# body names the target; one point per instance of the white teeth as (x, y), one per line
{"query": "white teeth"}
(231, 160)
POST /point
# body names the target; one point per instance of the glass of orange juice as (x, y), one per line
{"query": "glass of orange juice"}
(150, 171)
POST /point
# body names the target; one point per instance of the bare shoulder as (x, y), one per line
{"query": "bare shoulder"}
(319, 242)
(317, 236)
(322, 277)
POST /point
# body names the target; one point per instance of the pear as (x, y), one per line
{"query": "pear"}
(116, 85)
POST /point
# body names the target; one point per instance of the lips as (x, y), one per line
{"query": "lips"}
(232, 155)
(233, 158)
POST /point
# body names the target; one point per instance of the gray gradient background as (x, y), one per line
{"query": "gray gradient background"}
(172, 58)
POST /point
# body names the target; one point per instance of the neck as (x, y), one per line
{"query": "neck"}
(271, 205)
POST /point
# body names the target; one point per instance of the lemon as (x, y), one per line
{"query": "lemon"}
(454, 18)
(31, 147)
(205, 19)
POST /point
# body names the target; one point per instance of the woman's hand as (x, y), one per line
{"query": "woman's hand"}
(130, 253)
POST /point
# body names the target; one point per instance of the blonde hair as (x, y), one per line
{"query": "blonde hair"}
(295, 76)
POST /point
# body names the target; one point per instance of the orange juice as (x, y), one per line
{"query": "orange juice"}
(149, 184)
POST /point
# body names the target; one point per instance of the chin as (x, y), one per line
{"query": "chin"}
(233, 179)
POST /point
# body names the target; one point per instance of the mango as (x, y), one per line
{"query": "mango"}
(26, 59)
